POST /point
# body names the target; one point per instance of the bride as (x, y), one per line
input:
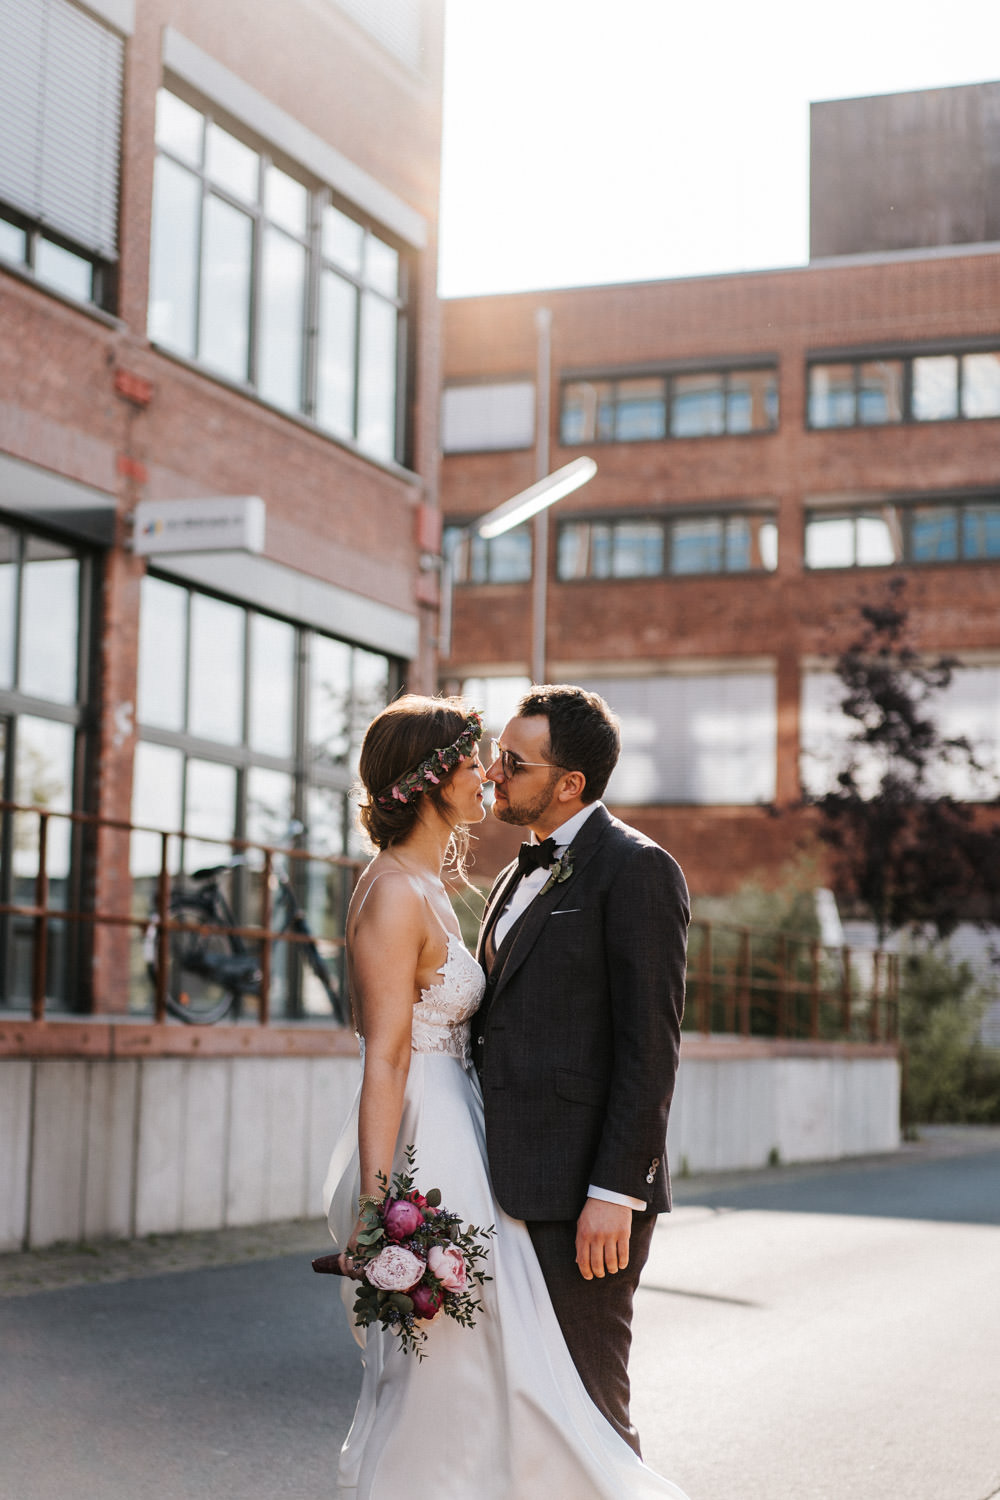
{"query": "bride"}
(497, 1412)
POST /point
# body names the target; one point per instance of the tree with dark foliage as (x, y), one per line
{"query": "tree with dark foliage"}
(908, 852)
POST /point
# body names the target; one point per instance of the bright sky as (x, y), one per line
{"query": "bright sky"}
(589, 141)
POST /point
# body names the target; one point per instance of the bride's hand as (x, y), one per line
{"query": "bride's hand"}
(351, 1267)
(348, 1264)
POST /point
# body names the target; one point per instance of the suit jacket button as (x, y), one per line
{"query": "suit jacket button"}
(650, 1176)
(480, 1040)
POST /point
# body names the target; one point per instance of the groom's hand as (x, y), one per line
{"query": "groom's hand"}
(602, 1235)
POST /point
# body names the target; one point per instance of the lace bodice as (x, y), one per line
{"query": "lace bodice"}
(442, 1014)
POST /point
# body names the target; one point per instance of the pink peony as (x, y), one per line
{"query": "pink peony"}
(401, 1219)
(395, 1269)
(426, 1302)
(448, 1265)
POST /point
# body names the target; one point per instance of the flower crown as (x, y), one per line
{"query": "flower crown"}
(437, 764)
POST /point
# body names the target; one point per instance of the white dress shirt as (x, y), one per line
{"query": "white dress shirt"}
(529, 886)
(520, 899)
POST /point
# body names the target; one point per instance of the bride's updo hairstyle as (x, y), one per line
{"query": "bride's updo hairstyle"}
(398, 740)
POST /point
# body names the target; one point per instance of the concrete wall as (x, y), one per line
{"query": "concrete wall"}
(811, 1104)
(99, 1147)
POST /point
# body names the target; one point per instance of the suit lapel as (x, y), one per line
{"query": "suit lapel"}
(530, 928)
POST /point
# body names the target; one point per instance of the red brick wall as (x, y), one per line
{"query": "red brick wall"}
(74, 385)
(786, 616)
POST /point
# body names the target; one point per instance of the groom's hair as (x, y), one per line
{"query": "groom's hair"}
(584, 734)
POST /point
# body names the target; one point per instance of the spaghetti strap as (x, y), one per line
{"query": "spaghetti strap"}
(367, 893)
(416, 885)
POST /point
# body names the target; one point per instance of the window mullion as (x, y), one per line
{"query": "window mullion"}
(402, 404)
(18, 607)
(256, 276)
(300, 792)
(856, 367)
(247, 666)
(186, 716)
(199, 264)
(358, 318)
(390, 438)
(310, 312)
(401, 384)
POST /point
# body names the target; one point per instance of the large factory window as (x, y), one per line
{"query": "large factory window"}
(260, 276)
(249, 726)
(44, 597)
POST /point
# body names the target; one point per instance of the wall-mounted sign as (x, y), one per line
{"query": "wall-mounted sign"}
(226, 523)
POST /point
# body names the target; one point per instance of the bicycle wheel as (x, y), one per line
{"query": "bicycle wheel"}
(206, 971)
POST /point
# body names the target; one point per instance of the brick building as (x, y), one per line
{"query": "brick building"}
(772, 448)
(217, 280)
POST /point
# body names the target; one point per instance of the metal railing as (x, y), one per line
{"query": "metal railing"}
(43, 914)
(742, 982)
(745, 981)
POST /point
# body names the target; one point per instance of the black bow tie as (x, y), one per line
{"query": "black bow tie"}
(535, 856)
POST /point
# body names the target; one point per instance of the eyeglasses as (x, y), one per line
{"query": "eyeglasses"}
(510, 763)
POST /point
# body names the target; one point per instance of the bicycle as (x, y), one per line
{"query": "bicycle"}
(210, 966)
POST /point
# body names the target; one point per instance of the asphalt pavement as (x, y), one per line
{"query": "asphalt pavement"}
(820, 1333)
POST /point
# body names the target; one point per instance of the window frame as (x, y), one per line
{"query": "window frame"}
(907, 356)
(71, 940)
(103, 272)
(467, 554)
(318, 262)
(522, 444)
(899, 512)
(668, 375)
(664, 745)
(307, 770)
(667, 523)
(44, 213)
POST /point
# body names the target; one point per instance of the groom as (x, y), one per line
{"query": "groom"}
(576, 1044)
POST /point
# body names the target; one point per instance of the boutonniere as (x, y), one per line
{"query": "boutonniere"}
(560, 869)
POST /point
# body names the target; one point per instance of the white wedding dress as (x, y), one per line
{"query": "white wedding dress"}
(496, 1412)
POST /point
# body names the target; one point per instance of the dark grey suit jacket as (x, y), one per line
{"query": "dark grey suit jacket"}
(577, 1040)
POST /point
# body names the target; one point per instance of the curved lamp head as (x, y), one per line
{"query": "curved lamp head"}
(530, 501)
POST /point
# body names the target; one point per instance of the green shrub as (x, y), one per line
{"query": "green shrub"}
(949, 1076)
(788, 904)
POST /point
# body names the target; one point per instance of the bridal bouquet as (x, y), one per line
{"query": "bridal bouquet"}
(418, 1261)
